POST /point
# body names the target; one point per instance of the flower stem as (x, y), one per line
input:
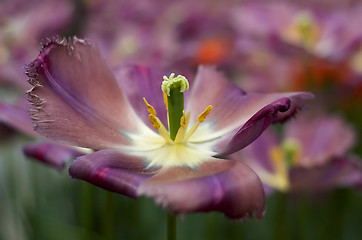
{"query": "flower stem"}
(175, 110)
(171, 226)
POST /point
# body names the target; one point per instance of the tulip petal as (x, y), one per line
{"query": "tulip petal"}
(340, 172)
(233, 108)
(217, 185)
(111, 170)
(17, 118)
(138, 82)
(256, 125)
(52, 154)
(75, 97)
(320, 138)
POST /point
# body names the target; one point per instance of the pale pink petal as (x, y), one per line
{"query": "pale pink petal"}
(75, 97)
(232, 107)
(320, 138)
(111, 170)
(138, 82)
(338, 172)
(17, 118)
(51, 154)
(226, 186)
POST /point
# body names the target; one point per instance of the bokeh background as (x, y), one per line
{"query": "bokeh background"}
(263, 46)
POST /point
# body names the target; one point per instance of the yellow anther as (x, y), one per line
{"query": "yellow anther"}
(165, 100)
(277, 157)
(150, 109)
(183, 120)
(203, 115)
(280, 179)
(154, 121)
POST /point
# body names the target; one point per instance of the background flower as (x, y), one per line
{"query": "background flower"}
(311, 157)
(40, 203)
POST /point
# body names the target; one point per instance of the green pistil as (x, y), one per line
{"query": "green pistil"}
(305, 25)
(291, 149)
(174, 88)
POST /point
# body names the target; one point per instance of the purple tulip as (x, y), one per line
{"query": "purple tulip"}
(300, 45)
(23, 25)
(76, 99)
(311, 157)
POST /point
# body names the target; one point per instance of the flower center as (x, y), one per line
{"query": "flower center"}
(178, 122)
(303, 30)
(282, 158)
(173, 146)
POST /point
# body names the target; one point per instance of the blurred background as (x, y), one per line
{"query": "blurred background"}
(262, 46)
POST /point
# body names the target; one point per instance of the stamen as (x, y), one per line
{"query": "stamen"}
(187, 118)
(180, 135)
(183, 120)
(181, 130)
(192, 130)
(203, 115)
(154, 121)
(201, 118)
(157, 124)
(280, 167)
(174, 88)
(165, 100)
(150, 109)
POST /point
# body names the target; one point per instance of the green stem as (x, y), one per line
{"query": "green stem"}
(108, 215)
(175, 110)
(171, 226)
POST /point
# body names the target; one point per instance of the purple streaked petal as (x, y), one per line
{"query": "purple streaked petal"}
(75, 97)
(52, 154)
(211, 88)
(17, 118)
(111, 170)
(278, 110)
(232, 107)
(320, 138)
(217, 185)
(138, 82)
(339, 172)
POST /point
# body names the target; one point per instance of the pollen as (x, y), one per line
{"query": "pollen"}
(165, 100)
(183, 120)
(201, 118)
(153, 121)
(150, 109)
(173, 82)
(204, 114)
(171, 147)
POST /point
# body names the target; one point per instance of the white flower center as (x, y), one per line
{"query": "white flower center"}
(160, 151)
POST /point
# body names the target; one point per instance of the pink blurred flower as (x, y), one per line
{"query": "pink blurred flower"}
(311, 156)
